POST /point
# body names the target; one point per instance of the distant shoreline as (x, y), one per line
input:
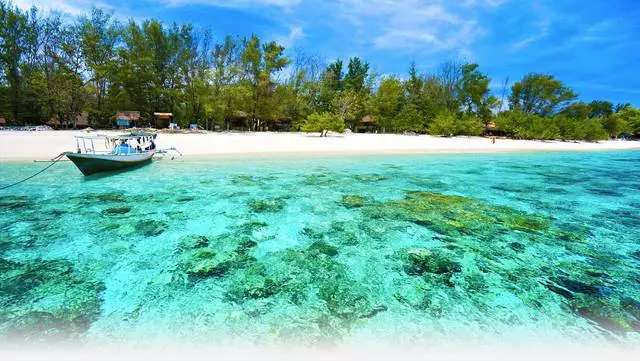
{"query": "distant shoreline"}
(27, 146)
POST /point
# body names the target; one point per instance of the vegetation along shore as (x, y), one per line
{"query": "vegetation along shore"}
(56, 68)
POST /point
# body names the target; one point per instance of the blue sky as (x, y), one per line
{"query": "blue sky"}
(593, 46)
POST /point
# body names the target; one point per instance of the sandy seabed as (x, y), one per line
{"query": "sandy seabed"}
(21, 146)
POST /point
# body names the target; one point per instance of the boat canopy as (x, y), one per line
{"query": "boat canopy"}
(134, 135)
(116, 144)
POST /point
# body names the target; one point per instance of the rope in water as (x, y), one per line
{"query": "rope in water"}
(53, 161)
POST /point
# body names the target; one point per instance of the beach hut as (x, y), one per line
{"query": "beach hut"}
(82, 120)
(237, 120)
(162, 120)
(491, 130)
(3, 122)
(127, 119)
(55, 123)
(367, 125)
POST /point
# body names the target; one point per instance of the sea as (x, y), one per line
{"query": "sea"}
(514, 248)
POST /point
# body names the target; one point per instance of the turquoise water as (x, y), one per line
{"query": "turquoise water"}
(326, 250)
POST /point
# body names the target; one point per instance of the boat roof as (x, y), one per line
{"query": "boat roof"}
(132, 135)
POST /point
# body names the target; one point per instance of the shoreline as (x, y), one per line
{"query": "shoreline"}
(29, 146)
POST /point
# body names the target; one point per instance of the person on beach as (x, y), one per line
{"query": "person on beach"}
(493, 140)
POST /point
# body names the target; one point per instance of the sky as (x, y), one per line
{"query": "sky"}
(593, 46)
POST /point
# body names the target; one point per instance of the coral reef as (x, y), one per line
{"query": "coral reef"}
(46, 300)
(267, 205)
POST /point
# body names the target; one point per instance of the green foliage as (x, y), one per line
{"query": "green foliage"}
(323, 123)
(539, 94)
(443, 124)
(448, 124)
(563, 126)
(388, 101)
(468, 124)
(625, 120)
(52, 67)
(409, 120)
(594, 130)
(615, 125)
(356, 75)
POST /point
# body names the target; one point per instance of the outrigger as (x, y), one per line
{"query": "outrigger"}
(103, 153)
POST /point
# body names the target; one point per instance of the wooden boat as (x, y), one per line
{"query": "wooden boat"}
(117, 153)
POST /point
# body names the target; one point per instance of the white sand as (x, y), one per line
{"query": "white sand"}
(17, 146)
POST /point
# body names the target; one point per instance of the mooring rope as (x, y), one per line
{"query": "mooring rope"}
(53, 161)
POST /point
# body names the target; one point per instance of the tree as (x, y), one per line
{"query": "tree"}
(569, 127)
(356, 76)
(260, 63)
(99, 34)
(443, 124)
(539, 94)
(474, 93)
(408, 120)
(600, 109)
(468, 124)
(13, 32)
(511, 122)
(448, 124)
(579, 110)
(626, 120)
(450, 76)
(388, 101)
(593, 130)
(323, 123)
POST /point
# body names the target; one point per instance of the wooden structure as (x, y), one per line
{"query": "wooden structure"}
(280, 125)
(3, 122)
(162, 120)
(237, 120)
(82, 120)
(55, 123)
(127, 119)
(367, 125)
(492, 130)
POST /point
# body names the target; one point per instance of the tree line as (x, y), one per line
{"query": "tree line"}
(54, 67)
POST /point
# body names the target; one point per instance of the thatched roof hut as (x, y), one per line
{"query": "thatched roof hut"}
(82, 120)
(237, 120)
(54, 123)
(367, 124)
(367, 120)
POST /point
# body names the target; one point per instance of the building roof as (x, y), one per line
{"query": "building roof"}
(163, 115)
(128, 115)
(239, 114)
(367, 119)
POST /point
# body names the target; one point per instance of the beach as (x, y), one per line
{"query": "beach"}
(24, 146)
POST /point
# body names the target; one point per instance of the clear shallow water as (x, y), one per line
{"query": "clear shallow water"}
(425, 248)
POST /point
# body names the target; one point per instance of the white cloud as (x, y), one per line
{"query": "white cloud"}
(285, 4)
(543, 25)
(73, 7)
(294, 34)
(413, 24)
(48, 5)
